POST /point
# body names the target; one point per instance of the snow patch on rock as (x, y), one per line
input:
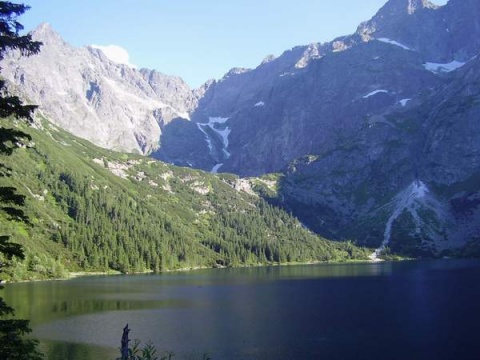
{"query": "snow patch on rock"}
(374, 93)
(437, 68)
(393, 42)
(216, 168)
(217, 127)
(404, 102)
(412, 199)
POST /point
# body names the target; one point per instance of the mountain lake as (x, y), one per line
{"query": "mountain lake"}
(400, 310)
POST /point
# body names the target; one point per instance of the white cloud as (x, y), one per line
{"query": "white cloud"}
(115, 53)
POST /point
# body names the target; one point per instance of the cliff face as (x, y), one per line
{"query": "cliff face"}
(304, 100)
(112, 105)
(409, 179)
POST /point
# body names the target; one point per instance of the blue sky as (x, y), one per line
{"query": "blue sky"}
(200, 39)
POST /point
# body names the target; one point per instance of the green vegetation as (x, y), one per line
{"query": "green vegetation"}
(95, 210)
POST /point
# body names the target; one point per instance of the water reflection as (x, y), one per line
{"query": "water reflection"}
(64, 350)
(334, 311)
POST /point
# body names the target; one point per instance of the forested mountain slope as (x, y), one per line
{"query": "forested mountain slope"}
(93, 209)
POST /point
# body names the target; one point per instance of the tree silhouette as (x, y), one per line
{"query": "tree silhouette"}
(13, 344)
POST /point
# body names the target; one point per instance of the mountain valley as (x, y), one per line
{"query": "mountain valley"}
(372, 137)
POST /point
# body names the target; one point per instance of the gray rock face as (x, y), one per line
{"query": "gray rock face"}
(363, 188)
(112, 105)
(441, 34)
(306, 99)
(334, 97)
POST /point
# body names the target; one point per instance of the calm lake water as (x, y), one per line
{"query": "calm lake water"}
(407, 310)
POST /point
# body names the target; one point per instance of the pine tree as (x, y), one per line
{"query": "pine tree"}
(13, 343)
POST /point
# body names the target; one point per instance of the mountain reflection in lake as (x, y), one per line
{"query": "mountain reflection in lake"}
(414, 310)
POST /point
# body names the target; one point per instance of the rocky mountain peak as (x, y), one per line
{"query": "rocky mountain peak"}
(414, 5)
(84, 92)
(394, 11)
(235, 71)
(46, 34)
(268, 58)
(404, 7)
(311, 52)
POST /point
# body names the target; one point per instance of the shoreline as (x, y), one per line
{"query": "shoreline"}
(80, 274)
(187, 269)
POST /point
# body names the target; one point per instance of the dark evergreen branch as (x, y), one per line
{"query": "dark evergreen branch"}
(13, 106)
(9, 249)
(10, 139)
(8, 195)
